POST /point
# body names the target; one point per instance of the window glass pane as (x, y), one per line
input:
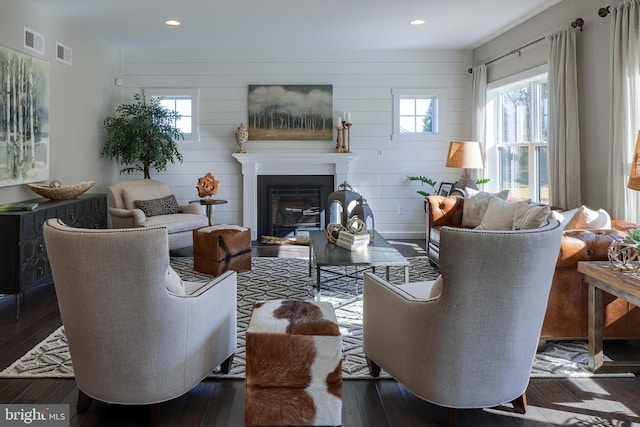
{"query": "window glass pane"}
(516, 115)
(407, 107)
(407, 124)
(423, 106)
(183, 107)
(543, 173)
(184, 124)
(544, 113)
(168, 103)
(514, 171)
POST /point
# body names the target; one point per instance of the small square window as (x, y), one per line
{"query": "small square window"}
(416, 113)
(185, 103)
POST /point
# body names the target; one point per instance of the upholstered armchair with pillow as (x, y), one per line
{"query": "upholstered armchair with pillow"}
(149, 203)
(468, 339)
(586, 237)
(137, 334)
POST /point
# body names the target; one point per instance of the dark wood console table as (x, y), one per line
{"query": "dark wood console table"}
(23, 256)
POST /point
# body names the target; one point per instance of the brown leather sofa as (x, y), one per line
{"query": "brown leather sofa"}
(566, 316)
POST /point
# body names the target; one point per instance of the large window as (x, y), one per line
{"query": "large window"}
(416, 113)
(185, 103)
(517, 135)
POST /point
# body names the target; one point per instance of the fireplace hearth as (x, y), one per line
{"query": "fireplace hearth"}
(292, 205)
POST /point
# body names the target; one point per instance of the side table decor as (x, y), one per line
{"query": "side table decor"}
(624, 254)
(207, 187)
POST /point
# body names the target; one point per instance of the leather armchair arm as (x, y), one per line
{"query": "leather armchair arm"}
(443, 211)
(126, 218)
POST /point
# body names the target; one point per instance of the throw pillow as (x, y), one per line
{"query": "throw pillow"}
(173, 282)
(499, 214)
(475, 205)
(162, 206)
(530, 216)
(564, 216)
(587, 219)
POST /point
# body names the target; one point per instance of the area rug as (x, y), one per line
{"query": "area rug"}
(281, 278)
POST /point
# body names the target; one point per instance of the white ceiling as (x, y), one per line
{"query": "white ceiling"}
(295, 24)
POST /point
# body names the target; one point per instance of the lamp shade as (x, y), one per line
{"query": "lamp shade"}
(634, 172)
(465, 154)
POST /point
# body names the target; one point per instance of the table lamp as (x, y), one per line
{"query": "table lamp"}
(466, 155)
(634, 172)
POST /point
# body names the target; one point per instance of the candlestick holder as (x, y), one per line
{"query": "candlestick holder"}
(343, 140)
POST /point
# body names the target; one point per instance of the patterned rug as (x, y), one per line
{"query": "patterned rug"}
(281, 278)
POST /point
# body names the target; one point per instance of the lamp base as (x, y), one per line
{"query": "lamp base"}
(466, 181)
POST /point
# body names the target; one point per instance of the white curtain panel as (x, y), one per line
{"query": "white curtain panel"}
(564, 134)
(625, 107)
(478, 118)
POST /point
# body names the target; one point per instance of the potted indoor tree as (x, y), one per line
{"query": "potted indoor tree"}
(142, 135)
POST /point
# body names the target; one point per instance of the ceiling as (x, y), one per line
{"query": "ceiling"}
(295, 24)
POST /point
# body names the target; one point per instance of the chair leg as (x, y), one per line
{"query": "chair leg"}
(225, 366)
(520, 403)
(451, 417)
(154, 415)
(374, 369)
(84, 401)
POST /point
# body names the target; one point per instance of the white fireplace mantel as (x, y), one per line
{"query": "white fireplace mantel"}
(285, 163)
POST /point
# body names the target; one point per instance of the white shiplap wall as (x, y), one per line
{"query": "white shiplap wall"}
(362, 83)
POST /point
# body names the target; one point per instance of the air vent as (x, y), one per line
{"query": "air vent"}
(63, 53)
(33, 41)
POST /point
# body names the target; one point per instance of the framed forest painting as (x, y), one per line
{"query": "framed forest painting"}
(290, 112)
(24, 118)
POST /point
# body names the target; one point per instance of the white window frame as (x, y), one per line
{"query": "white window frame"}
(173, 93)
(493, 131)
(399, 94)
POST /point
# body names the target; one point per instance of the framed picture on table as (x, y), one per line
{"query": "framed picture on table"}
(445, 188)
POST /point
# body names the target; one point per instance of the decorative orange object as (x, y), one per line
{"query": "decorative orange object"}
(207, 185)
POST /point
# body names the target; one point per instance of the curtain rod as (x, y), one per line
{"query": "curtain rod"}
(579, 22)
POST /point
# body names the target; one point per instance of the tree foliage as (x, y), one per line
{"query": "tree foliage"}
(142, 135)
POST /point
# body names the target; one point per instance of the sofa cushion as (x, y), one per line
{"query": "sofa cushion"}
(162, 206)
(530, 216)
(475, 206)
(499, 214)
(587, 219)
(177, 223)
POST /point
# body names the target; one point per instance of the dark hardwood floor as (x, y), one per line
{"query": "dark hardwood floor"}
(572, 402)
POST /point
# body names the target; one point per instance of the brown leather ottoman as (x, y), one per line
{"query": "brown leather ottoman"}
(222, 247)
(293, 365)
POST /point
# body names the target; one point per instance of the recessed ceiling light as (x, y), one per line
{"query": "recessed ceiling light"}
(417, 22)
(173, 22)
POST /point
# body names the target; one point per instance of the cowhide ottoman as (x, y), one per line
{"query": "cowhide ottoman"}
(293, 365)
(221, 247)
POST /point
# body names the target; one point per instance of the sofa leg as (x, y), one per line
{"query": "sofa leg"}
(154, 414)
(84, 401)
(374, 369)
(451, 417)
(520, 404)
(225, 366)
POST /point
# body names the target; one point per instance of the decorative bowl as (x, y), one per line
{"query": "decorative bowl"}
(56, 191)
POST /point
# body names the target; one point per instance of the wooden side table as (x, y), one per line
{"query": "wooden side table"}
(603, 276)
(210, 205)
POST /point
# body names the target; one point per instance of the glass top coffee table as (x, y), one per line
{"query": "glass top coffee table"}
(379, 253)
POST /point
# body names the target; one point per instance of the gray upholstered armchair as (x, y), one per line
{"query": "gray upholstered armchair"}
(468, 339)
(149, 203)
(137, 334)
